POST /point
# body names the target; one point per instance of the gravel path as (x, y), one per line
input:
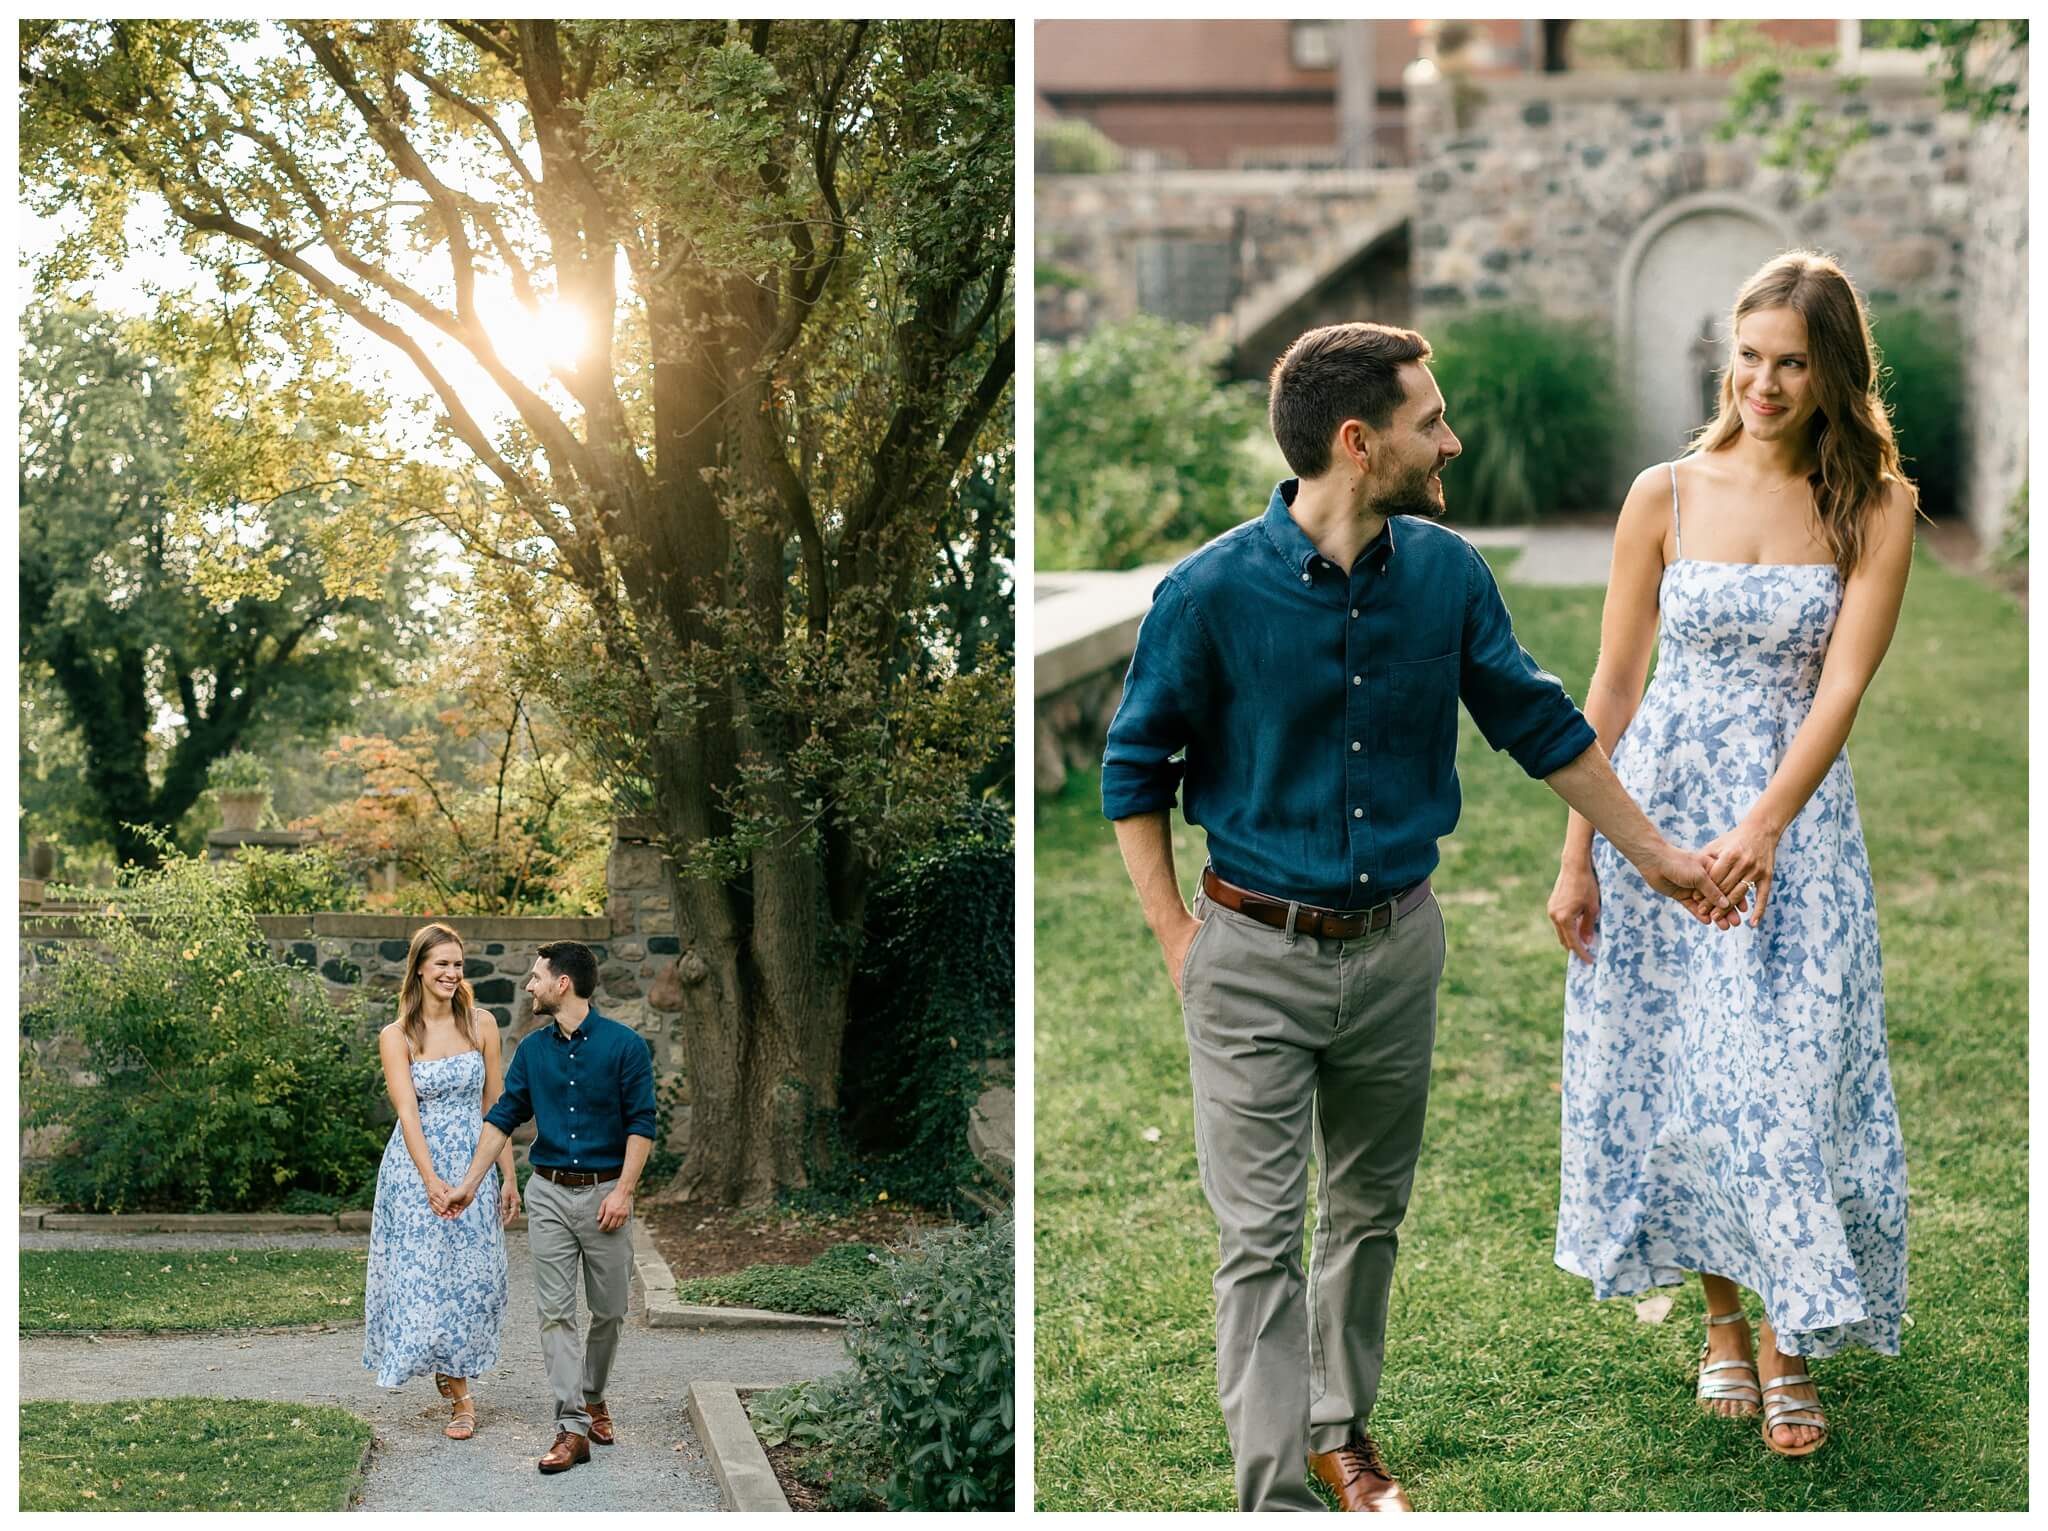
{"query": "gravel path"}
(657, 1465)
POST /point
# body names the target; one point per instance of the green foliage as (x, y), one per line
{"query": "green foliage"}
(208, 1454)
(1140, 446)
(934, 997)
(925, 1418)
(835, 1282)
(215, 1077)
(238, 771)
(308, 881)
(1632, 45)
(1921, 377)
(153, 679)
(1976, 65)
(1533, 401)
(1071, 146)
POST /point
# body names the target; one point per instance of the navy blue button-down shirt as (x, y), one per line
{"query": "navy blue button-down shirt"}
(1318, 707)
(585, 1091)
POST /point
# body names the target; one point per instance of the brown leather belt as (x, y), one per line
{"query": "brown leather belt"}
(572, 1177)
(1335, 924)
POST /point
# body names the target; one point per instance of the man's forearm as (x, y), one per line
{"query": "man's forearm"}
(637, 1150)
(488, 1142)
(1592, 789)
(1146, 840)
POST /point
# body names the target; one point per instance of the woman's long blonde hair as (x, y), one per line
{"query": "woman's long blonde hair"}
(1854, 452)
(412, 991)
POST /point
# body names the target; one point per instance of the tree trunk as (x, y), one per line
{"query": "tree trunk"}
(763, 1025)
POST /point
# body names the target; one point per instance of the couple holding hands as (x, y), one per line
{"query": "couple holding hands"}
(436, 1294)
(1727, 1100)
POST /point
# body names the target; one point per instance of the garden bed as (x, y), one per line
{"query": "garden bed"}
(190, 1454)
(721, 1241)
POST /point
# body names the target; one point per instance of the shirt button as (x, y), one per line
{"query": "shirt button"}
(1307, 578)
(1358, 813)
(1356, 679)
(1354, 746)
(1363, 878)
(1354, 611)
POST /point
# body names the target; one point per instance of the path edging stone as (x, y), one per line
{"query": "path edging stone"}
(666, 1311)
(50, 1220)
(744, 1477)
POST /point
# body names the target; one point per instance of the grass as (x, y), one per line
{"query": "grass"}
(189, 1454)
(832, 1283)
(1506, 1386)
(168, 1290)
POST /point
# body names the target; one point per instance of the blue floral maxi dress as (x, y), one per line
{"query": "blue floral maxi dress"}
(1727, 1098)
(436, 1295)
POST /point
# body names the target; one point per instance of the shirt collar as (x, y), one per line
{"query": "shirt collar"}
(583, 1030)
(1292, 544)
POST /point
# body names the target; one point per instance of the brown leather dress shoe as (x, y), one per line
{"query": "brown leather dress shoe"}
(569, 1449)
(600, 1424)
(1355, 1474)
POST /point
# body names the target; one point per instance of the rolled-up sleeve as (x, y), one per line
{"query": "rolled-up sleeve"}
(1164, 688)
(514, 1106)
(636, 1087)
(1519, 706)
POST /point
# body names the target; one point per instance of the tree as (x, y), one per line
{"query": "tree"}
(790, 247)
(154, 679)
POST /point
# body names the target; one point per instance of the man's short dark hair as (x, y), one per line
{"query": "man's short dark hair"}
(1337, 373)
(573, 960)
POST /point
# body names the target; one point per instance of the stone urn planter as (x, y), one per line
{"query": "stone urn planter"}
(31, 892)
(242, 810)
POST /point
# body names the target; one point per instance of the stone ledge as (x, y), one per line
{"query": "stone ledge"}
(474, 928)
(185, 1222)
(745, 1480)
(666, 1311)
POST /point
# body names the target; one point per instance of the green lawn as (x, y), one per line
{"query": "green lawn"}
(189, 1454)
(91, 1290)
(1507, 1387)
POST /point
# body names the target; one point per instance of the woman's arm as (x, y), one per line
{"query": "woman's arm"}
(494, 1086)
(1628, 628)
(397, 1060)
(1863, 632)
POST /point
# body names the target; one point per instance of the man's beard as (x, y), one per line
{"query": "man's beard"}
(1410, 497)
(545, 1006)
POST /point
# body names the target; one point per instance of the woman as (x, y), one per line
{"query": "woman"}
(1727, 1100)
(436, 1295)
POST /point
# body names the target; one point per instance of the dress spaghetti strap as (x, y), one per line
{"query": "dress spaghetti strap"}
(1677, 542)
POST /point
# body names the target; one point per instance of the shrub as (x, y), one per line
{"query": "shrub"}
(214, 1076)
(934, 995)
(1140, 446)
(310, 881)
(1532, 399)
(835, 1282)
(1922, 379)
(1069, 146)
(238, 771)
(2012, 542)
(925, 1418)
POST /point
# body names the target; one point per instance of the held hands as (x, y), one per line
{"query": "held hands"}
(615, 1209)
(1687, 876)
(448, 1200)
(1743, 860)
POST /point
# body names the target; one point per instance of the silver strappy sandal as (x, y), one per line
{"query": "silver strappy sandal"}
(1713, 1389)
(1793, 1411)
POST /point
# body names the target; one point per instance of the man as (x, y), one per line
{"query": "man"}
(1310, 663)
(587, 1082)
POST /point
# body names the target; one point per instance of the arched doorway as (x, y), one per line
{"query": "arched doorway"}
(1679, 276)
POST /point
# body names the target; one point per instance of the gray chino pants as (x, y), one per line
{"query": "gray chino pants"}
(562, 1232)
(1298, 1043)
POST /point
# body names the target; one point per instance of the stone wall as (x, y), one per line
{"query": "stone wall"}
(1222, 249)
(1532, 193)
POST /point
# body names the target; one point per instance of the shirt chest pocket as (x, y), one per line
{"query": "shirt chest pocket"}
(1419, 711)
